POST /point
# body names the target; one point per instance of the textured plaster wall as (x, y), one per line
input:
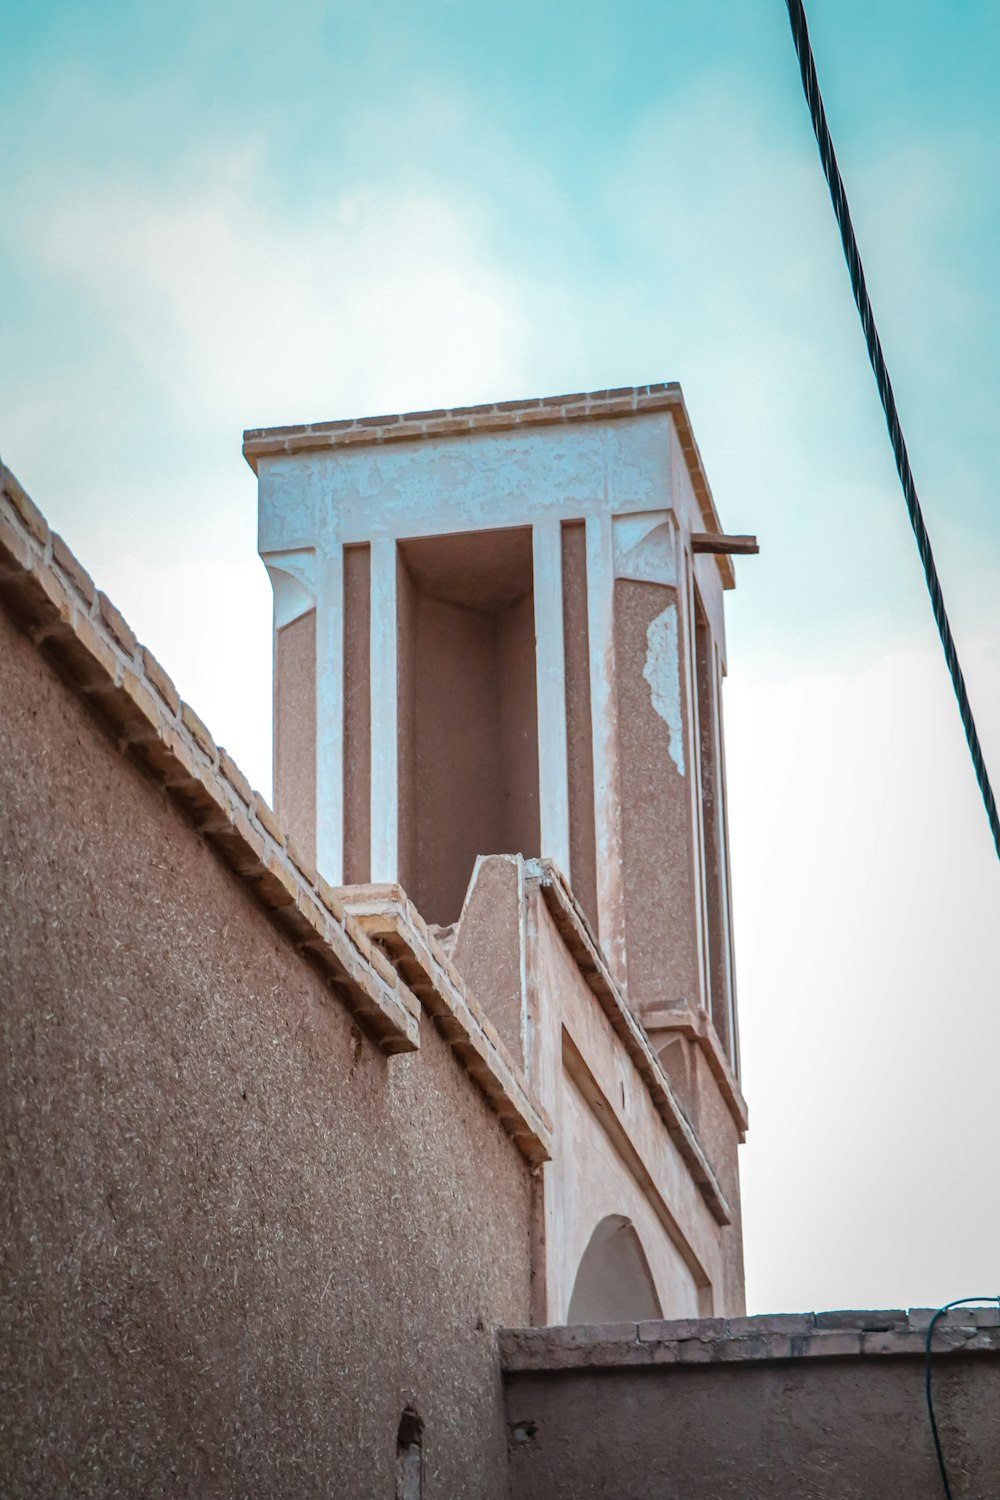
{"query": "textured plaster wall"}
(719, 1135)
(295, 730)
(489, 950)
(607, 1121)
(357, 715)
(518, 713)
(468, 724)
(579, 728)
(438, 485)
(608, 1188)
(660, 903)
(841, 1429)
(238, 1240)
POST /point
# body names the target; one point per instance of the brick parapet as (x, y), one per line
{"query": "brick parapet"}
(772, 1336)
(499, 416)
(53, 599)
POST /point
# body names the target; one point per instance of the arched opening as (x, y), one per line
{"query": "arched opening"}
(613, 1283)
(409, 1456)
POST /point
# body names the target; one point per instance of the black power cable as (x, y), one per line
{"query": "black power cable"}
(959, 1302)
(807, 67)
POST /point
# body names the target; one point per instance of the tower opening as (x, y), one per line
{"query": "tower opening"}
(468, 741)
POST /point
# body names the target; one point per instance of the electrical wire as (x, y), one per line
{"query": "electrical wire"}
(928, 1392)
(841, 208)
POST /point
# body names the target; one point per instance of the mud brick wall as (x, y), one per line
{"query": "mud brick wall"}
(245, 1220)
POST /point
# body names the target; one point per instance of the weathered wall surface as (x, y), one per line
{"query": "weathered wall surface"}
(818, 1414)
(237, 1238)
(604, 1117)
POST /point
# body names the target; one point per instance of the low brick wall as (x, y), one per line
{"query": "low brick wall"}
(819, 1406)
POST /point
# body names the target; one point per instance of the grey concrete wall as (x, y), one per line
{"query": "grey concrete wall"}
(815, 1416)
(237, 1238)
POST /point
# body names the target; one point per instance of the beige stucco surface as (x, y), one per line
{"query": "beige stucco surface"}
(816, 1429)
(608, 1188)
(658, 871)
(237, 1238)
(295, 730)
(489, 949)
(611, 1154)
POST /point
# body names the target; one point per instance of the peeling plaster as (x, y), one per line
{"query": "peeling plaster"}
(662, 672)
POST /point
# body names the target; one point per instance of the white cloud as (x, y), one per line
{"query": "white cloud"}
(245, 316)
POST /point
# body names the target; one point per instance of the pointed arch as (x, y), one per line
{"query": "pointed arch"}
(613, 1282)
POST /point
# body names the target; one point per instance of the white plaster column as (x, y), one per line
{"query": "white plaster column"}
(604, 724)
(384, 712)
(550, 669)
(330, 715)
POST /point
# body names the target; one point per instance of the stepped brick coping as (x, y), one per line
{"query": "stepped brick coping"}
(54, 601)
(500, 416)
(388, 917)
(574, 929)
(697, 1026)
(705, 1341)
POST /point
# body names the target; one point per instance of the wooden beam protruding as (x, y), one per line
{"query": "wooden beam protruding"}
(714, 541)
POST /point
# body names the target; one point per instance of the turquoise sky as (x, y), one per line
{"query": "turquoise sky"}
(219, 215)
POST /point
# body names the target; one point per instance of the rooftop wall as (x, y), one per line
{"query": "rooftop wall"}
(826, 1406)
(239, 1235)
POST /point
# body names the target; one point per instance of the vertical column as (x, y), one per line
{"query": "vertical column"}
(725, 884)
(688, 647)
(550, 669)
(385, 712)
(604, 728)
(330, 714)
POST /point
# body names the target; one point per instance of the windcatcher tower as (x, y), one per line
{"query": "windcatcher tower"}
(499, 630)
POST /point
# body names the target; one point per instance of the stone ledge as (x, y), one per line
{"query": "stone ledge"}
(390, 919)
(574, 929)
(772, 1336)
(500, 416)
(52, 598)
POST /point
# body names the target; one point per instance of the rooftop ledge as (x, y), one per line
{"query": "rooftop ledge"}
(499, 416)
(773, 1336)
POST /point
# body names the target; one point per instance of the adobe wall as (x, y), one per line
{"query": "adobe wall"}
(238, 1238)
(576, 1202)
(820, 1407)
